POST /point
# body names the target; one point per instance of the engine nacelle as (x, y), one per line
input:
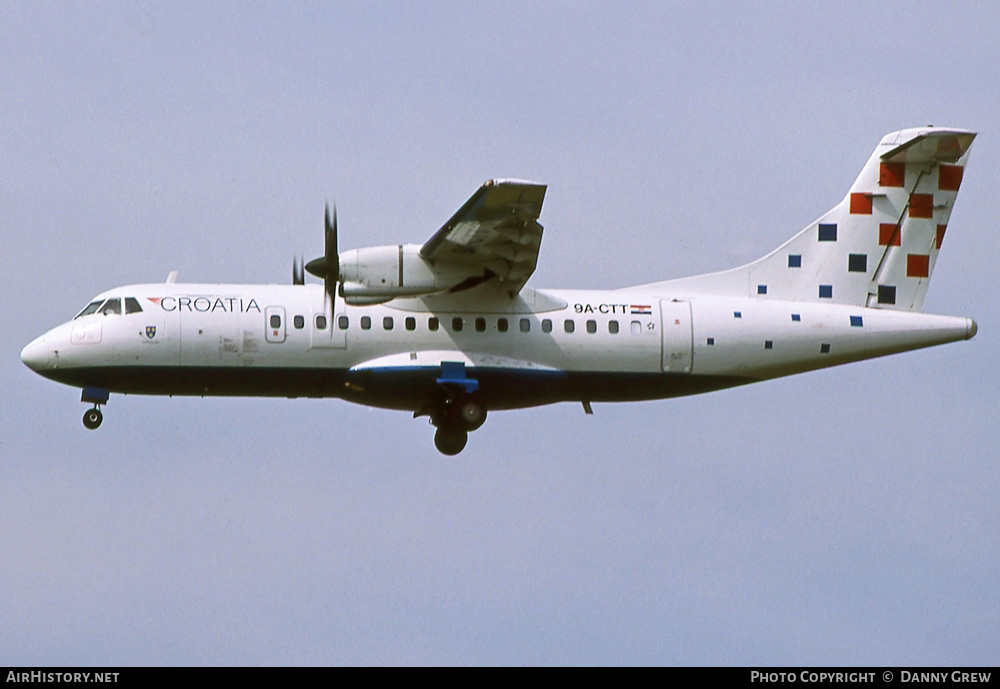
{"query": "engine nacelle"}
(380, 273)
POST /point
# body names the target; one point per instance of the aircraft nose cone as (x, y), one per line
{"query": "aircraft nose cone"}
(35, 354)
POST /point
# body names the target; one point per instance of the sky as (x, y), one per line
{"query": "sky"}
(841, 517)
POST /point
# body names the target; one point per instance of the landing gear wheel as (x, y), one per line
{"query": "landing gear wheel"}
(473, 415)
(450, 441)
(92, 418)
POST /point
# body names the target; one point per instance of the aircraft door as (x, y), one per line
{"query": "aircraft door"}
(677, 336)
(274, 324)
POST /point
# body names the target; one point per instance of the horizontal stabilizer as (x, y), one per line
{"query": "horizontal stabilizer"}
(928, 145)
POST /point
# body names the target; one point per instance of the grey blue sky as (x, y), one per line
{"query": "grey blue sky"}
(848, 516)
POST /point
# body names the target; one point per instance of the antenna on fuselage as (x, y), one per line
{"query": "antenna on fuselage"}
(172, 277)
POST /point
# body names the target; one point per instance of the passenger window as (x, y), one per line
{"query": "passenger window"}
(89, 309)
(343, 322)
(275, 320)
(298, 321)
(433, 324)
(525, 325)
(546, 326)
(569, 326)
(636, 327)
(320, 322)
(411, 323)
(112, 306)
(502, 325)
(591, 327)
(480, 325)
(387, 323)
(132, 305)
(456, 324)
(366, 323)
(613, 327)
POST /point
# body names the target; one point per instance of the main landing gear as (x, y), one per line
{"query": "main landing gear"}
(457, 409)
(455, 419)
(93, 417)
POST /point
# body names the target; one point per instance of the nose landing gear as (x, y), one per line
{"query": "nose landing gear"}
(93, 417)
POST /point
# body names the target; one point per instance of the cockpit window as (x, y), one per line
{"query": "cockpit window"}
(132, 305)
(112, 306)
(91, 308)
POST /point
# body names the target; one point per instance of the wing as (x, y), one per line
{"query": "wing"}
(494, 236)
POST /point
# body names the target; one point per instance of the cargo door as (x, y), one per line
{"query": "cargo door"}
(677, 336)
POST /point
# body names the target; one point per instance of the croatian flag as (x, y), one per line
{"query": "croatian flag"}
(642, 310)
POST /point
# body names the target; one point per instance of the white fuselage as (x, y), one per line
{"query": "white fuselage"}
(542, 347)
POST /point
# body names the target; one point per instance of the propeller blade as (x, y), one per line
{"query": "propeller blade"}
(331, 256)
(298, 274)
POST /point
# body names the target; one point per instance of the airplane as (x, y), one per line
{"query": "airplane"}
(449, 329)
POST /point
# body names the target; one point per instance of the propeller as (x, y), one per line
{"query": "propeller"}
(327, 266)
(332, 256)
(298, 271)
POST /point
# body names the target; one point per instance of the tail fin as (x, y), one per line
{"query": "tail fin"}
(878, 246)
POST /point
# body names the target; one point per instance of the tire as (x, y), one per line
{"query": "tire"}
(450, 441)
(473, 415)
(92, 418)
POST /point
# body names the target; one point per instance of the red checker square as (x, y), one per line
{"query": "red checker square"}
(921, 205)
(950, 177)
(886, 232)
(861, 204)
(939, 239)
(891, 174)
(918, 265)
